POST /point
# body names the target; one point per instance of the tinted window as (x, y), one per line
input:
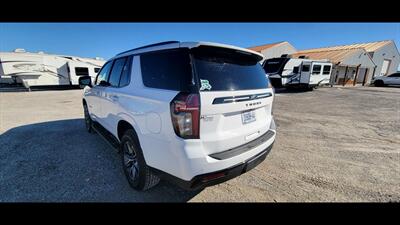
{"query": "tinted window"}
(316, 69)
(82, 71)
(103, 74)
(395, 75)
(169, 69)
(126, 73)
(116, 71)
(326, 70)
(222, 69)
(96, 69)
(305, 68)
(295, 69)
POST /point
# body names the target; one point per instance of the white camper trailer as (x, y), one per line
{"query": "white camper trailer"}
(40, 69)
(299, 72)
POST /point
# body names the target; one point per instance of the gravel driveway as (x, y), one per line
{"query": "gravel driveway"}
(333, 144)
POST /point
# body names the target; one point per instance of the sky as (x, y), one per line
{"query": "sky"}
(108, 39)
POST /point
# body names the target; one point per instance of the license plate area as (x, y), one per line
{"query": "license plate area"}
(248, 116)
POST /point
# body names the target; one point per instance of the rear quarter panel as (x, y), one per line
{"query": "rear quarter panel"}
(148, 111)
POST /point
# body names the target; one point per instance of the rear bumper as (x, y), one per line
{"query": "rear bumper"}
(213, 178)
(244, 148)
(187, 163)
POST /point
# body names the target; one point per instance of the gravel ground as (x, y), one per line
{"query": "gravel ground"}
(333, 144)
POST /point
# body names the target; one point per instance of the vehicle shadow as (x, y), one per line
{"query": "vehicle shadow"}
(21, 88)
(58, 161)
(290, 90)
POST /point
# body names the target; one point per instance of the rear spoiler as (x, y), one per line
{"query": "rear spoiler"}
(258, 56)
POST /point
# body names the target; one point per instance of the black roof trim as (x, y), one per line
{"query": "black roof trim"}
(152, 45)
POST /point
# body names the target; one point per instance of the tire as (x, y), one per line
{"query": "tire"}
(379, 83)
(134, 165)
(88, 120)
(308, 88)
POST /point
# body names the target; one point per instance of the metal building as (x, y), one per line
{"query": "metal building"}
(357, 63)
(275, 49)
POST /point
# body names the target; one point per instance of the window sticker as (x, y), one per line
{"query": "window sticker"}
(205, 85)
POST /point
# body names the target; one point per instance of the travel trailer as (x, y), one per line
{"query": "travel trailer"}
(40, 69)
(297, 72)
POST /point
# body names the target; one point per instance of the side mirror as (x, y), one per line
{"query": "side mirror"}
(85, 81)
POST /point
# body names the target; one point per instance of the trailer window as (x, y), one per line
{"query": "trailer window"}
(326, 70)
(305, 68)
(82, 71)
(316, 69)
(296, 69)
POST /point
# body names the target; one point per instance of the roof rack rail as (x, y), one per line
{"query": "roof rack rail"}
(152, 45)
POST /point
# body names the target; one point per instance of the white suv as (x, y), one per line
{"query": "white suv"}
(195, 113)
(392, 79)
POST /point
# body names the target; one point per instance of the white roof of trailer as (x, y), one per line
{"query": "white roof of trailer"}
(22, 52)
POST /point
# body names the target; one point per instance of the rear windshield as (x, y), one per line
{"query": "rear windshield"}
(220, 69)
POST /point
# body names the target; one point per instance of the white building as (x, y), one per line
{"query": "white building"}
(275, 49)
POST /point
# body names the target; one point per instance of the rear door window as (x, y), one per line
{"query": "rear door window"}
(126, 73)
(167, 69)
(220, 69)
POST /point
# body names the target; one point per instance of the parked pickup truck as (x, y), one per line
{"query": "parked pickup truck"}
(195, 113)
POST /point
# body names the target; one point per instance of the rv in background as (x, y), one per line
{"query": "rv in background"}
(297, 72)
(40, 69)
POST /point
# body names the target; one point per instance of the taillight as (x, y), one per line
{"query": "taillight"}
(185, 114)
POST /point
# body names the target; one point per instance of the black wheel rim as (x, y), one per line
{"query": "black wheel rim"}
(131, 164)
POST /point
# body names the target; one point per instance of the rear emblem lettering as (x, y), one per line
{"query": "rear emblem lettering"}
(253, 104)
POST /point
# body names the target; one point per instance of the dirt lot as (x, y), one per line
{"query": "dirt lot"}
(333, 144)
